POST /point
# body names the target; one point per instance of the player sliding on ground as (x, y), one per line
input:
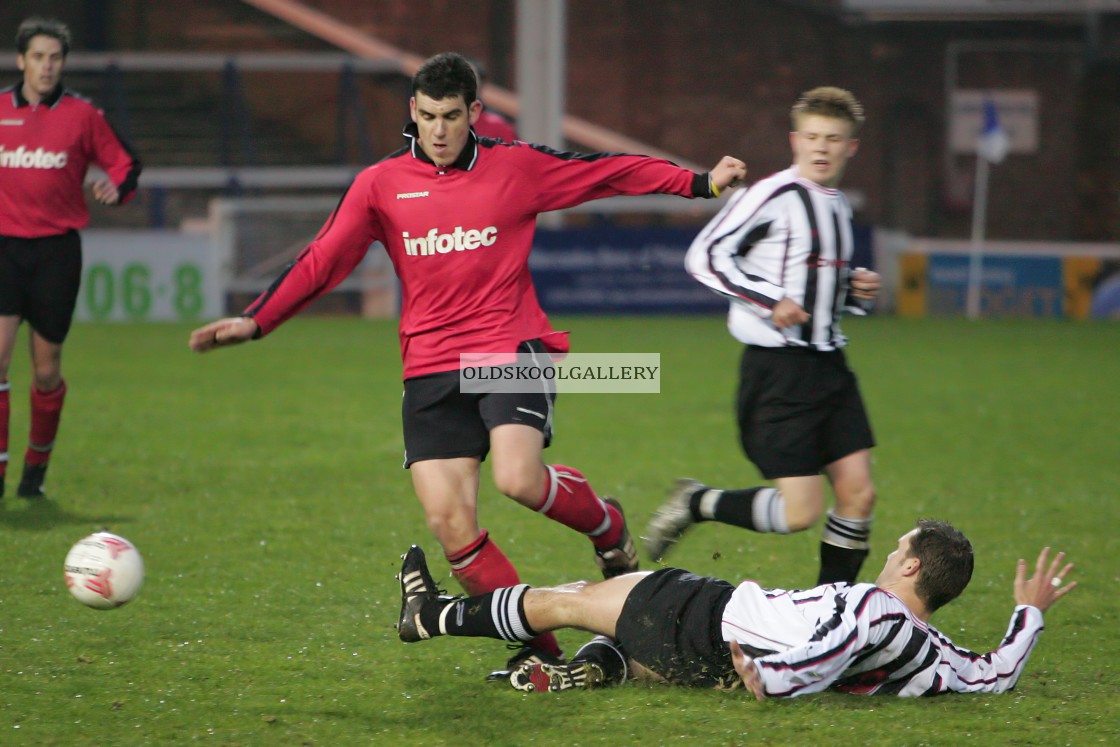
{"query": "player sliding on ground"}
(703, 632)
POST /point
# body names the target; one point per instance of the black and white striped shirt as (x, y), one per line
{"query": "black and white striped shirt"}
(784, 237)
(865, 640)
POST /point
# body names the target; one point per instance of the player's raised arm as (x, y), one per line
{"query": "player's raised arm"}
(998, 671)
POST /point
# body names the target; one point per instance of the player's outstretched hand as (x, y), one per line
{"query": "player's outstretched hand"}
(1046, 585)
(223, 332)
(744, 665)
(728, 173)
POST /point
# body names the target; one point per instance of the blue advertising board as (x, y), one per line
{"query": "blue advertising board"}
(608, 269)
(618, 270)
(1010, 286)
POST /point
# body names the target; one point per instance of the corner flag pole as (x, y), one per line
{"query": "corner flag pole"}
(976, 246)
(990, 148)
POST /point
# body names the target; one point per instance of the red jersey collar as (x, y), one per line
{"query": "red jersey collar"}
(465, 161)
(49, 100)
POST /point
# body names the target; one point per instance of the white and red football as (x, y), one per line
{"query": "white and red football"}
(104, 570)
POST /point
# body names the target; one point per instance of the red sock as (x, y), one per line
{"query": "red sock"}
(5, 413)
(569, 499)
(482, 567)
(46, 411)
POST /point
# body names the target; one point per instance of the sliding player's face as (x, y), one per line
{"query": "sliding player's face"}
(444, 125)
(893, 566)
(821, 148)
(42, 67)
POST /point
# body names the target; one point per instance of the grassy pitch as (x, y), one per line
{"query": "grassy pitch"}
(263, 487)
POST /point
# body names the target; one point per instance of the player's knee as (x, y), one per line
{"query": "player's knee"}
(522, 485)
(451, 530)
(859, 501)
(47, 384)
(46, 379)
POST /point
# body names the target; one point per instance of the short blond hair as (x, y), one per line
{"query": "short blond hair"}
(829, 101)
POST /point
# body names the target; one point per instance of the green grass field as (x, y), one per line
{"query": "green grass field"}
(263, 487)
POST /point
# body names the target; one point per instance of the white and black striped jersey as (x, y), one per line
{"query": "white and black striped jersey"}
(784, 237)
(862, 639)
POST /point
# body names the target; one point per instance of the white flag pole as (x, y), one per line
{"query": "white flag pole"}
(991, 147)
(976, 253)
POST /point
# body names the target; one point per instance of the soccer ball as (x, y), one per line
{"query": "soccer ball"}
(103, 571)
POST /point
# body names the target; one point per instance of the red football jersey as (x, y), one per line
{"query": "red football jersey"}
(45, 151)
(459, 238)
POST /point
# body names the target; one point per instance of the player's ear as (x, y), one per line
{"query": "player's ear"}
(475, 111)
(911, 566)
(412, 108)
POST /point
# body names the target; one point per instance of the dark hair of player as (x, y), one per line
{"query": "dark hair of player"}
(445, 76)
(946, 557)
(38, 26)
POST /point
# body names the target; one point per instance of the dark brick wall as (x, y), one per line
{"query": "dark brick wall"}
(706, 77)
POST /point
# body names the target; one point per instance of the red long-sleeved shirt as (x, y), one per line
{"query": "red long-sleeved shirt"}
(459, 238)
(45, 151)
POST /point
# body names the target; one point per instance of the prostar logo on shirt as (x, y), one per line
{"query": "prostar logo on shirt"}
(22, 158)
(458, 240)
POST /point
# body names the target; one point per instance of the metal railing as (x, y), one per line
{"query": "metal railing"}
(236, 131)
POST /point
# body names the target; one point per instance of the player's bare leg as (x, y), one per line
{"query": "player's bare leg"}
(852, 483)
(844, 541)
(516, 455)
(591, 606)
(520, 613)
(514, 613)
(562, 494)
(803, 498)
(594, 607)
(46, 362)
(448, 491)
(9, 327)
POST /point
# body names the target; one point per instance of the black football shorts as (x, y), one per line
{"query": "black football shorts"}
(442, 422)
(671, 623)
(799, 410)
(39, 281)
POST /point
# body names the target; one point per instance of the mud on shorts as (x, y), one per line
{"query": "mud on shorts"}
(671, 624)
